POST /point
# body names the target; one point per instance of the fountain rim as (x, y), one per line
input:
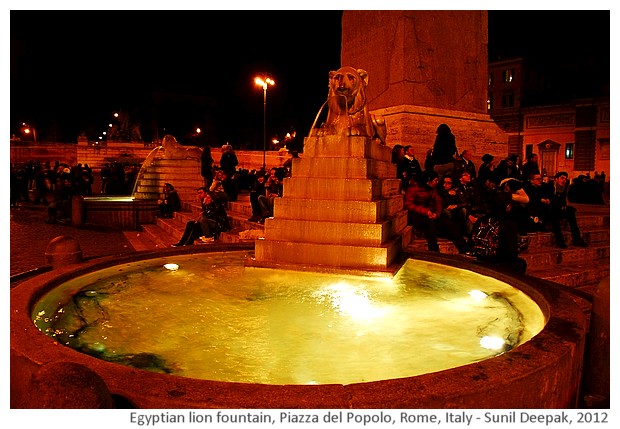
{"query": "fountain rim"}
(152, 390)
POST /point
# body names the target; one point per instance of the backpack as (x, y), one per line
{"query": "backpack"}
(484, 238)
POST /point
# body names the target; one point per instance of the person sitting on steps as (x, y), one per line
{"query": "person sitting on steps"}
(212, 221)
(561, 210)
(258, 189)
(426, 212)
(273, 190)
(170, 202)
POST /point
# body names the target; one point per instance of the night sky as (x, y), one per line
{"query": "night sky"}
(174, 70)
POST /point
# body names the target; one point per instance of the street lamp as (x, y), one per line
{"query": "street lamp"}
(264, 82)
(28, 129)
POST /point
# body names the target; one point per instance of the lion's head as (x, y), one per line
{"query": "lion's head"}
(348, 85)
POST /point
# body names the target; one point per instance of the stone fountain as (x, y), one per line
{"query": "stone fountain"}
(342, 208)
(341, 212)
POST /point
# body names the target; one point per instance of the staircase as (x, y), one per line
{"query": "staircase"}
(165, 232)
(184, 175)
(577, 268)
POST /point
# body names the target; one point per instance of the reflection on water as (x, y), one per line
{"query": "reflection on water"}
(211, 318)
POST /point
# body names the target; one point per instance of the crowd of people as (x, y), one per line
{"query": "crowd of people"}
(486, 213)
(54, 184)
(50, 184)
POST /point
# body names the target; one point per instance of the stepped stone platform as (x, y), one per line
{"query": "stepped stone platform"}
(341, 210)
(364, 203)
(580, 269)
(575, 267)
(183, 174)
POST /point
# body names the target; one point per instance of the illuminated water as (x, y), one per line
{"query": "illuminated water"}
(214, 319)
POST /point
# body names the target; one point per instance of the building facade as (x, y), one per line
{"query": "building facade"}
(572, 136)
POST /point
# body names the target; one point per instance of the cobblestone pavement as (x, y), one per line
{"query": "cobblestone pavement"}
(30, 235)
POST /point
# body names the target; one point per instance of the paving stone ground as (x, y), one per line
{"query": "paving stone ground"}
(30, 235)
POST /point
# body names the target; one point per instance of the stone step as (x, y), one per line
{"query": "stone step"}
(172, 176)
(159, 236)
(241, 207)
(144, 241)
(363, 258)
(176, 164)
(344, 190)
(171, 230)
(592, 235)
(582, 275)
(319, 209)
(570, 267)
(350, 233)
(165, 234)
(539, 257)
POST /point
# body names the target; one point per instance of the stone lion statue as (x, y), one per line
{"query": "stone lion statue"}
(348, 112)
(174, 150)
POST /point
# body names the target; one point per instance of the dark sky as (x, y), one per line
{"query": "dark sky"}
(573, 47)
(181, 69)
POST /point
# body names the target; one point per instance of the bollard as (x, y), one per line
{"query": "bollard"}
(62, 251)
(68, 385)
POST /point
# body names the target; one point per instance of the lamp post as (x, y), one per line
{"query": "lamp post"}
(264, 82)
(29, 129)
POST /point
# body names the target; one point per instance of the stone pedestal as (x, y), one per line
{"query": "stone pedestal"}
(340, 211)
(425, 68)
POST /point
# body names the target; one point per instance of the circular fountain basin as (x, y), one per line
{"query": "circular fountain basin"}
(252, 338)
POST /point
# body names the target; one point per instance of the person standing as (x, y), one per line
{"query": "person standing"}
(465, 163)
(444, 151)
(487, 169)
(229, 161)
(398, 156)
(411, 166)
(530, 167)
(206, 166)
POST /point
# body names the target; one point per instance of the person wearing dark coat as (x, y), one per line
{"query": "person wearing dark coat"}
(561, 210)
(409, 167)
(501, 228)
(486, 171)
(444, 151)
(229, 161)
(530, 167)
(170, 203)
(206, 166)
(465, 163)
(212, 222)
(258, 189)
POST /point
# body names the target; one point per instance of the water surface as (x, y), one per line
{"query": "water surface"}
(214, 319)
